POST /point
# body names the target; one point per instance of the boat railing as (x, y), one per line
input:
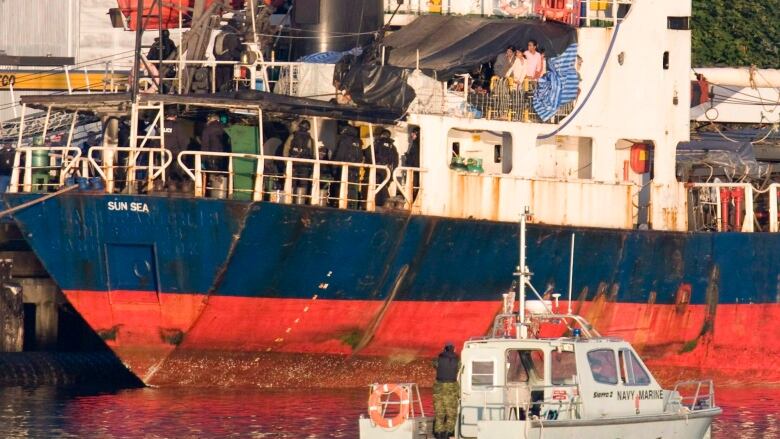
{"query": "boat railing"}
(556, 401)
(580, 13)
(732, 207)
(505, 325)
(407, 182)
(43, 168)
(504, 100)
(129, 170)
(273, 76)
(285, 180)
(693, 395)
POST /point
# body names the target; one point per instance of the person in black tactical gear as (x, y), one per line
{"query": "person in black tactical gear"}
(300, 145)
(446, 392)
(168, 47)
(176, 140)
(227, 47)
(214, 139)
(168, 53)
(412, 160)
(349, 149)
(385, 154)
(7, 154)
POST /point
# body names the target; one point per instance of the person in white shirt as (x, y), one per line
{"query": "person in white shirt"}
(518, 70)
(534, 64)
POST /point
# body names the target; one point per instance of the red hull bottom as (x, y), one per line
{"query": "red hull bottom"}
(199, 340)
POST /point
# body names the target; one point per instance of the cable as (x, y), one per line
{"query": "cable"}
(573, 115)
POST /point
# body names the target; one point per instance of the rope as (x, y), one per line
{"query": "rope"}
(37, 201)
(592, 88)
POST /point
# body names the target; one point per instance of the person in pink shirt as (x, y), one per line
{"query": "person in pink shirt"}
(534, 64)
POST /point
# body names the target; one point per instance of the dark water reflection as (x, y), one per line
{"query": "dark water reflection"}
(205, 413)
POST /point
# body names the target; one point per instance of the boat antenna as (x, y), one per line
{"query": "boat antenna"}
(571, 269)
(522, 274)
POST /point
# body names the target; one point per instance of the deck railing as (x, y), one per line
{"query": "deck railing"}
(43, 168)
(573, 12)
(504, 100)
(286, 180)
(129, 170)
(693, 395)
(407, 182)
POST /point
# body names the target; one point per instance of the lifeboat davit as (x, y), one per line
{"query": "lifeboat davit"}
(169, 13)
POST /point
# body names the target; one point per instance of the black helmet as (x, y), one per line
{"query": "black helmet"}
(166, 34)
(385, 134)
(304, 125)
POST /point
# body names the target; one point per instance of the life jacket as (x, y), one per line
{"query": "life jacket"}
(447, 367)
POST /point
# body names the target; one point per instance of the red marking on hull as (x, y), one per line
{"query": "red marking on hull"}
(739, 339)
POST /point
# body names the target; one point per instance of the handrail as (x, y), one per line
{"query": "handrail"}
(153, 171)
(697, 398)
(261, 176)
(65, 167)
(720, 197)
(406, 188)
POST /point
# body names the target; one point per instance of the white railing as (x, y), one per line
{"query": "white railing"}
(694, 395)
(43, 168)
(725, 207)
(502, 100)
(573, 12)
(278, 77)
(407, 183)
(122, 168)
(287, 180)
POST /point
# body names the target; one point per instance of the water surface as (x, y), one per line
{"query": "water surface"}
(248, 413)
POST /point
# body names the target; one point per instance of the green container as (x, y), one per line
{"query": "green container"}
(40, 172)
(244, 139)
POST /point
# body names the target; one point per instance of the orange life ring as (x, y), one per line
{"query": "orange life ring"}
(375, 404)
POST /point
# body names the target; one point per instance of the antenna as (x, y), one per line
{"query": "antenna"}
(522, 274)
(571, 269)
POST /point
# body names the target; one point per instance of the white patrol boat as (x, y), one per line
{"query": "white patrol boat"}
(543, 374)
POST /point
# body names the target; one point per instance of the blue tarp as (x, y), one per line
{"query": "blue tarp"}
(559, 85)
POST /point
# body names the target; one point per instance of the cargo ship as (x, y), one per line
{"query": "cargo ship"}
(260, 256)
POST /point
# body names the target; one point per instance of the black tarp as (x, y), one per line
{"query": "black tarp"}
(450, 45)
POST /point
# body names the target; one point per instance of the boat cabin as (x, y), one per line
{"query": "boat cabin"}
(554, 379)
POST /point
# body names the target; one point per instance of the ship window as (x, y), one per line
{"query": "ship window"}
(678, 23)
(521, 364)
(602, 366)
(482, 373)
(564, 368)
(666, 60)
(631, 371)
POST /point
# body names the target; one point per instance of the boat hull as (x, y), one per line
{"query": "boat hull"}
(195, 291)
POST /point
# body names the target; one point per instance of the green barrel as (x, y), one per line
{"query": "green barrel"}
(40, 172)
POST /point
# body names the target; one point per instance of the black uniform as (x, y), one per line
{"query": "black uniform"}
(301, 146)
(176, 141)
(348, 149)
(385, 154)
(214, 139)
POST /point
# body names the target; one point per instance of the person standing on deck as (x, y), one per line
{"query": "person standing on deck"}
(349, 149)
(214, 139)
(533, 61)
(385, 155)
(300, 145)
(446, 392)
(176, 141)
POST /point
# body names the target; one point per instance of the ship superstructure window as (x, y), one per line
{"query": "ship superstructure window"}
(666, 60)
(482, 373)
(488, 152)
(602, 366)
(564, 368)
(631, 371)
(522, 365)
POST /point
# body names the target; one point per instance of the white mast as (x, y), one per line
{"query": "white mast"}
(522, 273)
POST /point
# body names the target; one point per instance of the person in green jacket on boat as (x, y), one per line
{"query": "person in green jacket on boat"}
(446, 392)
